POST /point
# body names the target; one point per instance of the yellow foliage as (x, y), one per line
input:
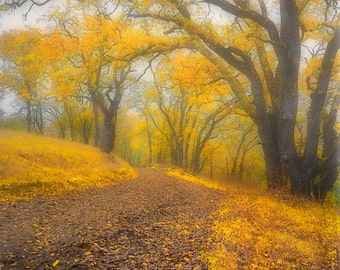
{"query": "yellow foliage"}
(312, 20)
(21, 48)
(51, 47)
(31, 165)
(313, 67)
(192, 71)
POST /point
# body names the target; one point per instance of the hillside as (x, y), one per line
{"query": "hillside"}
(31, 165)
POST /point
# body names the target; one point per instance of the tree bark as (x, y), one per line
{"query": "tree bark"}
(148, 131)
(96, 125)
(29, 115)
(108, 134)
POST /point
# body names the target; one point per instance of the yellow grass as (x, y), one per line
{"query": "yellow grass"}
(260, 229)
(31, 165)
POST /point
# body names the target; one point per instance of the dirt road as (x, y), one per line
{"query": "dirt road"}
(153, 222)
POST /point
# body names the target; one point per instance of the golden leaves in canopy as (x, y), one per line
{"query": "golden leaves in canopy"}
(20, 50)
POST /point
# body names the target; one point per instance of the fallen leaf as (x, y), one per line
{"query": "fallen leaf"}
(56, 263)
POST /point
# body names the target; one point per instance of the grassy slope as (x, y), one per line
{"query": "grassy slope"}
(259, 229)
(31, 165)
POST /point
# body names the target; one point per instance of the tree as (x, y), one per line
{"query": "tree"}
(240, 138)
(248, 42)
(185, 105)
(23, 71)
(94, 54)
(87, 67)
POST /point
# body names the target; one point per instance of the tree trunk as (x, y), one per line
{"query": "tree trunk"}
(234, 173)
(29, 115)
(62, 131)
(96, 125)
(327, 180)
(108, 138)
(195, 163)
(86, 129)
(38, 119)
(180, 151)
(289, 60)
(148, 131)
(70, 119)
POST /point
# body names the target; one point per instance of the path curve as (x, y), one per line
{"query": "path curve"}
(153, 222)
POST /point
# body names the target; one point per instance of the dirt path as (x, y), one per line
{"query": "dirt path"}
(153, 222)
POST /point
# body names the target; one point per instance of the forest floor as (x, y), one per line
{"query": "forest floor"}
(153, 222)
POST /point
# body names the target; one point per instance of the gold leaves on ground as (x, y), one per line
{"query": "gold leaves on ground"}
(258, 229)
(31, 165)
(253, 231)
(211, 183)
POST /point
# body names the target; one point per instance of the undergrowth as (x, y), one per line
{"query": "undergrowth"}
(33, 165)
(261, 229)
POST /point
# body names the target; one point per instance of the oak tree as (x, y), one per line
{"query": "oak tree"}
(267, 51)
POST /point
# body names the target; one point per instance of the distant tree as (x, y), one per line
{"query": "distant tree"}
(23, 71)
(2, 114)
(184, 105)
(83, 50)
(240, 138)
(15, 122)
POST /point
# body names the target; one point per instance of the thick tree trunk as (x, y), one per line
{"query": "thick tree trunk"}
(276, 174)
(196, 163)
(109, 134)
(196, 160)
(331, 150)
(289, 60)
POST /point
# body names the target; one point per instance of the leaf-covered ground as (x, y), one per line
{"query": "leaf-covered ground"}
(153, 222)
(32, 165)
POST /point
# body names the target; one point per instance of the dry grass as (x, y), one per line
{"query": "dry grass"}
(31, 165)
(260, 229)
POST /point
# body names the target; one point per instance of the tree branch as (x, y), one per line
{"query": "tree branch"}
(247, 13)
